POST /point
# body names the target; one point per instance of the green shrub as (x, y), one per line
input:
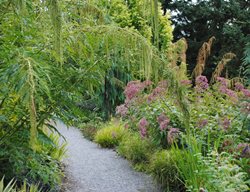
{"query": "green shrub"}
(135, 149)
(163, 168)
(211, 172)
(110, 135)
(19, 161)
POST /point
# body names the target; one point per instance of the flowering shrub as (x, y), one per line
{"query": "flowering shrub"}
(219, 118)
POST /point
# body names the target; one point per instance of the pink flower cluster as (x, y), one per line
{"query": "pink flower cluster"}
(163, 121)
(122, 110)
(238, 86)
(158, 91)
(132, 89)
(172, 135)
(246, 92)
(202, 123)
(143, 123)
(222, 81)
(201, 83)
(223, 88)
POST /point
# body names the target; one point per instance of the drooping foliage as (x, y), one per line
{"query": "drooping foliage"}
(54, 56)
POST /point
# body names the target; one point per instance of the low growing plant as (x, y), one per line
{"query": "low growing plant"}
(89, 129)
(164, 170)
(11, 187)
(209, 172)
(111, 135)
(135, 148)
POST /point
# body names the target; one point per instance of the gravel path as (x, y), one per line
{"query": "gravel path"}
(92, 169)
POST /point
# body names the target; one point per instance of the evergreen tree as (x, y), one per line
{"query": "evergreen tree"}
(227, 21)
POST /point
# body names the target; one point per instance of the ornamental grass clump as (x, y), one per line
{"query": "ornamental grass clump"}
(162, 167)
(111, 135)
(135, 149)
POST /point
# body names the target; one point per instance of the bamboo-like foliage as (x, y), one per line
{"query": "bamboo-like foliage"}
(56, 18)
(88, 52)
(155, 21)
(221, 65)
(32, 105)
(203, 54)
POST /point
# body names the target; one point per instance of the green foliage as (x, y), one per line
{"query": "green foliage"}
(212, 172)
(53, 55)
(18, 160)
(111, 135)
(135, 149)
(58, 150)
(163, 168)
(10, 187)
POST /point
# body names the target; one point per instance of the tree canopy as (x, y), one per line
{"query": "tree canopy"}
(227, 21)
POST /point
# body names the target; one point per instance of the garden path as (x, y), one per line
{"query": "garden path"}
(89, 168)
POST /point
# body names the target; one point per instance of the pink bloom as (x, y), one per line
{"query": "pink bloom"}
(202, 123)
(201, 83)
(172, 135)
(143, 122)
(223, 89)
(222, 81)
(164, 124)
(161, 118)
(143, 132)
(238, 86)
(122, 110)
(246, 92)
(231, 94)
(143, 127)
(186, 82)
(147, 83)
(228, 92)
(158, 91)
(132, 89)
(226, 123)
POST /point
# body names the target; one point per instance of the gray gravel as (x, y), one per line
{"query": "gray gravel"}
(89, 168)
